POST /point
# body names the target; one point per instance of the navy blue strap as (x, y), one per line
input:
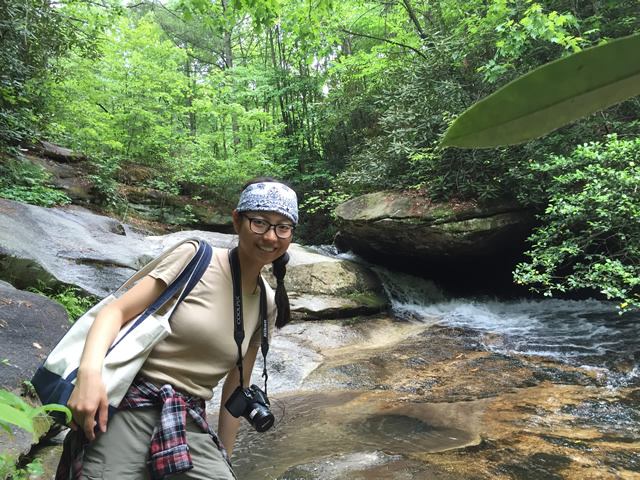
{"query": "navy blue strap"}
(191, 273)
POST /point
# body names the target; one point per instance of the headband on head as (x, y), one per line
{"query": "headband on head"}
(270, 197)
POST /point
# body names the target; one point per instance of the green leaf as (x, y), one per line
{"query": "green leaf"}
(551, 96)
(9, 414)
(54, 407)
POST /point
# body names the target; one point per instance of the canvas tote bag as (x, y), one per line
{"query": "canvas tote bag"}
(55, 378)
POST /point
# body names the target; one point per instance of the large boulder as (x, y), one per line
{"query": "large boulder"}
(58, 153)
(325, 287)
(458, 239)
(42, 247)
(388, 221)
(51, 247)
(30, 326)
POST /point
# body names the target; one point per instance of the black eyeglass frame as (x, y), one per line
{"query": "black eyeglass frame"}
(271, 225)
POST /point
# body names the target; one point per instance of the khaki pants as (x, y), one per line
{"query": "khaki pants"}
(121, 452)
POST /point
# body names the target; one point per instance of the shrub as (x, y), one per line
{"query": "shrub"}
(589, 236)
(25, 182)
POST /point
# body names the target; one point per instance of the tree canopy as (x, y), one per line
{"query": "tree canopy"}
(339, 99)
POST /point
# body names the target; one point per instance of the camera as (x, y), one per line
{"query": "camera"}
(253, 404)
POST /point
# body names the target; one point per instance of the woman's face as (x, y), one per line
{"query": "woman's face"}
(261, 249)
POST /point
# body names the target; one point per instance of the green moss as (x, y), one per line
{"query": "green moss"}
(369, 299)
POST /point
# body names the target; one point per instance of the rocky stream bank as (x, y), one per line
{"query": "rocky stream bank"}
(382, 399)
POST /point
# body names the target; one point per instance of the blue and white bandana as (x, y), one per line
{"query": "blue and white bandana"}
(270, 197)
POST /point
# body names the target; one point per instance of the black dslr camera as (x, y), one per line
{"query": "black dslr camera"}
(253, 404)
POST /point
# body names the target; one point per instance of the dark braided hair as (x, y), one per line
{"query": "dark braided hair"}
(283, 316)
(282, 299)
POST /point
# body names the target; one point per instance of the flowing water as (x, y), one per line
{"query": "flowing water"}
(585, 333)
(474, 388)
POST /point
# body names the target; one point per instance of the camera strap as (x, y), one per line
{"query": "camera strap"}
(238, 324)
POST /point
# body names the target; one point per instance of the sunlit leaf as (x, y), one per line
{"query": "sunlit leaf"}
(11, 415)
(53, 407)
(551, 96)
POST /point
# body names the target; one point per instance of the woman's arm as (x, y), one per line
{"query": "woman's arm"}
(89, 395)
(227, 423)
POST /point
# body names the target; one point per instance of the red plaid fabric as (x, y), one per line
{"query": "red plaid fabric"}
(168, 453)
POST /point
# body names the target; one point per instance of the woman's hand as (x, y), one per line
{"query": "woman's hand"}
(88, 399)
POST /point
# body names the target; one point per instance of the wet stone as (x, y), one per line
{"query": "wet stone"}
(485, 444)
(634, 398)
(511, 361)
(630, 461)
(615, 415)
(557, 375)
(541, 466)
(416, 361)
(564, 442)
(526, 471)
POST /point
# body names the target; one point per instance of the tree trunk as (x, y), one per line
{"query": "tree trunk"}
(192, 86)
(228, 60)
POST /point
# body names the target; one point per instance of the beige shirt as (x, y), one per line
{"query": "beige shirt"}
(201, 349)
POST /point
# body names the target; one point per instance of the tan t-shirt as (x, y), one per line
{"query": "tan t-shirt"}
(201, 349)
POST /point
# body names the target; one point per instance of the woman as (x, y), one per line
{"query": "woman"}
(146, 437)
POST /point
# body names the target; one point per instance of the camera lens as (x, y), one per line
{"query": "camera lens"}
(260, 417)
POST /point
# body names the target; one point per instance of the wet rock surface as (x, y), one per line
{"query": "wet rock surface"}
(395, 400)
(420, 402)
(380, 399)
(30, 325)
(55, 247)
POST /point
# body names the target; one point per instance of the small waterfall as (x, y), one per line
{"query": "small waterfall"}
(411, 297)
(584, 333)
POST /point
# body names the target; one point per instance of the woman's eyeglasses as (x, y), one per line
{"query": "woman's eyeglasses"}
(260, 226)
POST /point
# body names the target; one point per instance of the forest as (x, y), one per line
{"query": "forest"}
(337, 99)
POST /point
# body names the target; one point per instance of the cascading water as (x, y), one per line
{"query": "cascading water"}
(583, 333)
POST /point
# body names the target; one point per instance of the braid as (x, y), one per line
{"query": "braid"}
(282, 299)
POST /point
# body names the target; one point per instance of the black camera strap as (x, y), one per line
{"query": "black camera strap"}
(238, 325)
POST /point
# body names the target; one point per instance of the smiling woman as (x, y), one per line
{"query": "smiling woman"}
(207, 342)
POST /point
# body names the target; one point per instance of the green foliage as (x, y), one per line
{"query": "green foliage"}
(37, 195)
(317, 208)
(188, 216)
(23, 181)
(104, 181)
(521, 32)
(69, 297)
(324, 201)
(551, 96)
(9, 470)
(158, 184)
(590, 232)
(16, 412)
(34, 36)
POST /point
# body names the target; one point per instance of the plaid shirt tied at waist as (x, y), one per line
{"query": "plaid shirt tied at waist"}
(168, 451)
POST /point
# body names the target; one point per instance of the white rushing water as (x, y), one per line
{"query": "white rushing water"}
(586, 333)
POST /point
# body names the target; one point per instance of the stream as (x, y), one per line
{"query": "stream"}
(459, 388)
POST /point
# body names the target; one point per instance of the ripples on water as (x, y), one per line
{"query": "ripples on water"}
(585, 333)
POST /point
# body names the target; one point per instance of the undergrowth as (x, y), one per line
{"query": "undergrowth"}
(69, 297)
(25, 182)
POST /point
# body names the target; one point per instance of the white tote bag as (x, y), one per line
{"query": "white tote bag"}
(55, 378)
